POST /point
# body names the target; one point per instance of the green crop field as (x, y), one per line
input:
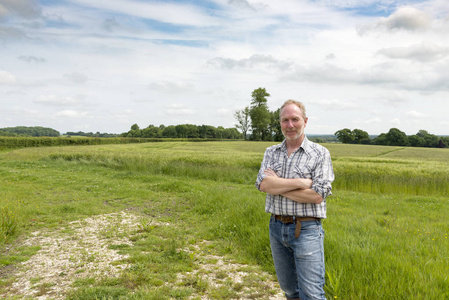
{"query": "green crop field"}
(386, 231)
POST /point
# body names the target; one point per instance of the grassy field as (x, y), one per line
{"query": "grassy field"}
(386, 232)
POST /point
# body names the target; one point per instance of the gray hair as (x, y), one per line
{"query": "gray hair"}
(297, 103)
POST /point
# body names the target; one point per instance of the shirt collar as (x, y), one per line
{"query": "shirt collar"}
(304, 144)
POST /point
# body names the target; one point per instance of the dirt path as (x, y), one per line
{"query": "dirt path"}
(82, 249)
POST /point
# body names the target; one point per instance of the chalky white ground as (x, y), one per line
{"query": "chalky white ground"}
(82, 249)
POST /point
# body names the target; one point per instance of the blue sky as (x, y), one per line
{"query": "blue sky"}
(82, 65)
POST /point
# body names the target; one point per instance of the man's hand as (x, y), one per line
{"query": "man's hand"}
(301, 183)
(270, 172)
(296, 189)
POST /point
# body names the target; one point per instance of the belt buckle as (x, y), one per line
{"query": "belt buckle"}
(284, 219)
(287, 219)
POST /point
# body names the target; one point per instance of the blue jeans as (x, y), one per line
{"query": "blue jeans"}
(299, 263)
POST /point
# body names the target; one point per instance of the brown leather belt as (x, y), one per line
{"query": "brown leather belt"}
(291, 219)
(298, 220)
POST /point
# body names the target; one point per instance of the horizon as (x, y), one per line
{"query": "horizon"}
(307, 134)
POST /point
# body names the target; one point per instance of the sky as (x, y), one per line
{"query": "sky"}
(104, 65)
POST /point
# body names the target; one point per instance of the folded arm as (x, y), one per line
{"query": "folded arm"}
(296, 189)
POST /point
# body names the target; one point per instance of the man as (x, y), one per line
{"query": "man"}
(297, 176)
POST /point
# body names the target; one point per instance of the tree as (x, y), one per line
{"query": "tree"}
(259, 97)
(381, 139)
(181, 131)
(243, 119)
(135, 131)
(206, 131)
(275, 126)
(360, 136)
(30, 131)
(170, 132)
(416, 141)
(430, 140)
(135, 127)
(345, 135)
(442, 144)
(395, 137)
(260, 115)
(232, 134)
(151, 132)
(192, 131)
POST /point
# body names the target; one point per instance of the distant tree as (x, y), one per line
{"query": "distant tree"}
(260, 115)
(360, 136)
(135, 127)
(346, 136)
(395, 137)
(192, 131)
(243, 120)
(381, 139)
(206, 132)
(445, 140)
(181, 131)
(232, 134)
(151, 132)
(31, 131)
(416, 141)
(430, 140)
(4, 133)
(170, 132)
(442, 144)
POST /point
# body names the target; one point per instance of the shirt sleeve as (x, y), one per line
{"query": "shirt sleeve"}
(263, 167)
(323, 175)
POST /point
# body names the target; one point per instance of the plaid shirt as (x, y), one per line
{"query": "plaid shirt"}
(309, 161)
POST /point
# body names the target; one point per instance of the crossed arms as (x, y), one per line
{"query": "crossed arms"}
(296, 189)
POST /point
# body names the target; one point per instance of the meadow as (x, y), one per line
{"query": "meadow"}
(386, 231)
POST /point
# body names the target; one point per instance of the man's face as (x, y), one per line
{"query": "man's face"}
(292, 122)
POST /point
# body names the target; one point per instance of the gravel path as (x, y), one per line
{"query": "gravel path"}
(81, 250)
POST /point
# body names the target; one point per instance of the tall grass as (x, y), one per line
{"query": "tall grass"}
(386, 232)
(9, 221)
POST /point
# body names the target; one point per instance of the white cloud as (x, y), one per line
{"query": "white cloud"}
(179, 110)
(28, 9)
(337, 105)
(424, 52)
(396, 122)
(77, 78)
(415, 114)
(242, 4)
(31, 59)
(56, 100)
(171, 87)
(255, 61)
(181, 14)
(71, 114)
(405, 18)
(7, 78)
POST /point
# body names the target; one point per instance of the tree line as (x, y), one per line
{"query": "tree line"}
(91, 134)
(35, 131)
(154, 132)
(183, 131)
(394, 137)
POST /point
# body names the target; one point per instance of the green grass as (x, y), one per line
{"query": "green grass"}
(386, 232)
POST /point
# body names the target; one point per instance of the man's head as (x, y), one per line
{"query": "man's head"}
(293, 120)
(297, 103)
